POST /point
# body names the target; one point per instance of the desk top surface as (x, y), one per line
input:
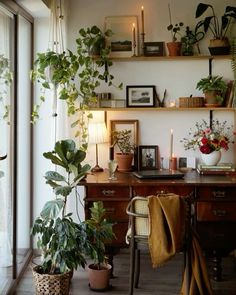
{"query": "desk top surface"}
(127, 179)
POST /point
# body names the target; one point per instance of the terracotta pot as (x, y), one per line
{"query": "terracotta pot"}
(99, 278)
(174, 48)
(124, 162)
(219, 46)
(210, 99)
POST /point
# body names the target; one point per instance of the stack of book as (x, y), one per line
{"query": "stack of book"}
(220, 169)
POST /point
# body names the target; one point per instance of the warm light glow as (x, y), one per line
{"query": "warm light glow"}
(142, 8)
(97, 132)
(133, 25)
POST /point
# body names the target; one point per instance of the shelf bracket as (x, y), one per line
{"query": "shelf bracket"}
(211, 118)
(210, 66)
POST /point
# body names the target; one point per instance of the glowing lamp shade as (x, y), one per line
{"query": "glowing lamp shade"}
(97, 132)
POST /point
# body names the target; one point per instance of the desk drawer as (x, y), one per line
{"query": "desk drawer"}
(217, 235)
(216, 211)
(109, 192)
(116, 211)
(155, 190)
(216, 193)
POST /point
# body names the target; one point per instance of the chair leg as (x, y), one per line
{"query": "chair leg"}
(137, 267)
(132, 267)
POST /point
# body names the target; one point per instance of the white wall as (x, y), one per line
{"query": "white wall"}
(178, 77)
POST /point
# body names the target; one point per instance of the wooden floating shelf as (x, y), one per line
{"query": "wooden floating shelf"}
(170, 58)
(153, 109)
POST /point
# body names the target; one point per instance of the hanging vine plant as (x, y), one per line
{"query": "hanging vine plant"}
(6, 77)
(60, 72)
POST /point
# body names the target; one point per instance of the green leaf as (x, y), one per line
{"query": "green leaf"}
(201, 8)
(52, 208)
(63, 190)
(53, 175)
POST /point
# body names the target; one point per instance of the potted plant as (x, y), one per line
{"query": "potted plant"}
(100, 232)
(5, 81)
(174, 47)
(214, 88)
(217, 26)
(63, 242)
(122, 138)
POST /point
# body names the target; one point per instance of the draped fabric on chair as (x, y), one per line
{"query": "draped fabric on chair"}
(164, 222)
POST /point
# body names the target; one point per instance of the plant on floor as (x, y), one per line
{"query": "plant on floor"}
(63, 242)
(100, 232)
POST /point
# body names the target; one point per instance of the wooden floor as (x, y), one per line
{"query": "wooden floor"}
(165, 280)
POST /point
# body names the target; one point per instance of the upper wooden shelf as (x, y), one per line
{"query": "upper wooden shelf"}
(166, 58)
(161, 109)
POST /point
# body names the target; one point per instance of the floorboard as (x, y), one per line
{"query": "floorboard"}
(165, 280)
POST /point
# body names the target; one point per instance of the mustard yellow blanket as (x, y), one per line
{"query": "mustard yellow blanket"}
(167, 214)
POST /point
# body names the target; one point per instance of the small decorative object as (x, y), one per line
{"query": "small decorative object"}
(154, 48)
(134, 40)
(112, 166)
(217, 26)
(122, 40)
(191, 102)
(209, 139)
(214, 88)
(174, 47)
(173, 163)
(212, 158)
(148, 157)
(140, 96)
(142, 31)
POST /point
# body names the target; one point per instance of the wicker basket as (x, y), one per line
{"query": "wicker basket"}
(191, 102)
(46, 284)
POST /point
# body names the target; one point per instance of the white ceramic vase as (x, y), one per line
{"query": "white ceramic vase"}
(212, 158)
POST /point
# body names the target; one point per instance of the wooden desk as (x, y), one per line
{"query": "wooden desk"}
(214, 204)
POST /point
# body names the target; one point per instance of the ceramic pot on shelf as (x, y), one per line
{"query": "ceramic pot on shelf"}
(174, 48)
(212, 158)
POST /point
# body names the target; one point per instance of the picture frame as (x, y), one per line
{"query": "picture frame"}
(154, 48)
(124, 41)
(140, 96)
(148, 157)
(132, 125)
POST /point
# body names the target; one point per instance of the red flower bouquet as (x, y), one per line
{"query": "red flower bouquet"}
(209, 138)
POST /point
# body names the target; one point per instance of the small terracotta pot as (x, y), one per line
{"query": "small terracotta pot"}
(210, 98)
(174, 48)
(124, 162)
(99, 278)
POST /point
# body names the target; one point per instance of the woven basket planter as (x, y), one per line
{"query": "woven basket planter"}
(46, 284)
(191, 102)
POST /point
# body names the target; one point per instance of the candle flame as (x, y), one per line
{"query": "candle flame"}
(142, 8)
(171, 131)
(133, 25)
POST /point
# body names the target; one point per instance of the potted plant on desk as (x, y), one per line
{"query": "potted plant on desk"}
(100, 232)
(214, 88)
(63, 242)
(217, 26)
(124, 158)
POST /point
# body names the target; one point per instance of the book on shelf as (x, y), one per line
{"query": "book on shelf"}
(229, 95)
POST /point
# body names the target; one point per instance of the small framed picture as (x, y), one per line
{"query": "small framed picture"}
(140, 96)
(154, 48)
(148, 157)
(125, 34)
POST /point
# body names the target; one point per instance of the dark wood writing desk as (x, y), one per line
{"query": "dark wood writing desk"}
(214, 204)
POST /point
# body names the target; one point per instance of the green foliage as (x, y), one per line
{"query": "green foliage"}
(217, 26)
(122, 139)
(100, 232)
(175, 30)
(64, 243)
(233, 59)
(6, 77)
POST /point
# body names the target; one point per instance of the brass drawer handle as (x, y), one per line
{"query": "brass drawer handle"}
(162, 192)
(108, 192)
(219, 194)
(220, 213)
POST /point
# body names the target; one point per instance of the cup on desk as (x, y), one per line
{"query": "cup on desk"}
(112, 166)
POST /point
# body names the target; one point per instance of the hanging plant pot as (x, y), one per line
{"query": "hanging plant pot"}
(219, 46)
(174, 48)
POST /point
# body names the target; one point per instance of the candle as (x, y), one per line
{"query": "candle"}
(171, 143)
(134, 41)
(173, 163)
(142, 19)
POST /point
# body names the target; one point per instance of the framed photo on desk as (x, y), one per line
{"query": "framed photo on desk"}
(148, 157)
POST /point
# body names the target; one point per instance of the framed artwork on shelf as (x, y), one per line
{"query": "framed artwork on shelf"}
(117, 125)
(154, 48)
(124, 41)
(140, 96)
(148, 157)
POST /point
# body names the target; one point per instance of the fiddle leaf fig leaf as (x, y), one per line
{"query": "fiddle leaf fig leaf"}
(63, 190)
(53, 175)
(52, 209)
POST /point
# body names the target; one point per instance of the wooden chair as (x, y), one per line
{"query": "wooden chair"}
(138, 233)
